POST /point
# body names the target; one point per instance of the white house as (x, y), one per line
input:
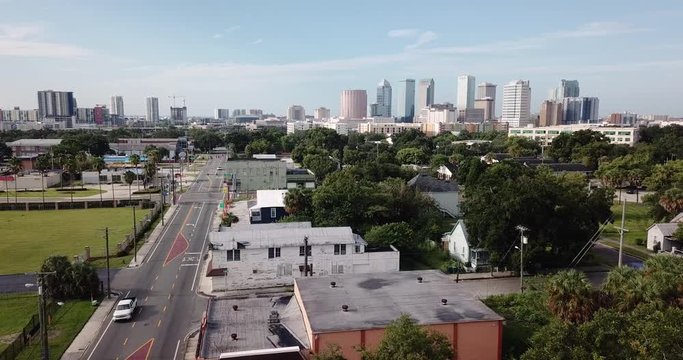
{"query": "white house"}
(272, 255)
(446, 172)
(459, 247)
(662, 234)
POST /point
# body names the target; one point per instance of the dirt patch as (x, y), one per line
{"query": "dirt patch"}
(7, 339)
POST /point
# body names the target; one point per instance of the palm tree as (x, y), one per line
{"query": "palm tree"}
(43, 164)
(15, 167)
(150, 171)
(135, 160)
(672, 201)
(98, 164)
(69, 165)
(624, 287)
(129, 177)
(570, 297)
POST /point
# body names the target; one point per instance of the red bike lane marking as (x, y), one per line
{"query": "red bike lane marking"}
(180, 244)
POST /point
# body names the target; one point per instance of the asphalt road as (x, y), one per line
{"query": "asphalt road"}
(166, 283)
(15, 283)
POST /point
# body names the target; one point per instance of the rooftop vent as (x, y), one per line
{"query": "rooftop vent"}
(235, 307)
(333, 284)
(444, 301)
(233, 336)
(345, 308)
(419, 279)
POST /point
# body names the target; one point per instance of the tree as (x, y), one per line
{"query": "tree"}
(665, 176)
(624, 288)
(518, 146)
(150, 170)
(678, 234)
(43, 164)
(69, 165)
(135, 161)
(69, 281)
(438, 160)
(5, 151)
(320, 165)
(672, 201)
(128, 178)
(298, 201)
(98, 165)
(570, 297)
(411, 155)
(399, 234)
(81, 163)
(15, 167)
(403, 339)
(331, 352)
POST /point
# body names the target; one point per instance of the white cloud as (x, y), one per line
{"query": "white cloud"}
(596, 29)
(20, 40)
(217, 36)
(257, 41)
(424, 38)
(403, 33)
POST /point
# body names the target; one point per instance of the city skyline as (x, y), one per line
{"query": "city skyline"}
(266, 73)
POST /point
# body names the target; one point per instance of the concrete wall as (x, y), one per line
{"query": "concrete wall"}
(256, 270)
(257, 174)
(472, 341)
(31, 181)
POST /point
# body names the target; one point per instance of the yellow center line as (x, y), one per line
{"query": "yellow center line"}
(173, 286)
(133, 324)
(164, 309)
(169, 296)
(125, 342)
(146, 297)
(159, 323)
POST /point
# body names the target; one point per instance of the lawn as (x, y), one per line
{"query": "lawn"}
(636, 222)
(433, 258)
(15, 312)
(53, 193)
(28, 237)
(66, 324)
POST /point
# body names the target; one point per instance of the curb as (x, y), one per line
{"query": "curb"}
(87, 335)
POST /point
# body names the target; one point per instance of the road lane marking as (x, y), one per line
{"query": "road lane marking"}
(187, 265)
(146, 297)
(151, 288)
(156, 278)
(176, 275)
(175, 355)
(125, 342)
(196, 272)
(159, 323)
(164, 309)
(145, 350)
(101, 337)
(163, 233)
(134, 322)
(193, 253)
(173, 286)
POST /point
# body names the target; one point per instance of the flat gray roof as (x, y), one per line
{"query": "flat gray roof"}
(35, 142)
(256, 237)
(374, 300)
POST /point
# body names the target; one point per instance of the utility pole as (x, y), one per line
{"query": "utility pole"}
(42, 314)
(522, 240)
(106, 239)
(163, 199)
(135, 237)
(621, 232)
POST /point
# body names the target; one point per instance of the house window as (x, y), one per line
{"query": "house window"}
(340, 249)
(337, 269)
(357, 249)
(233, 255)
(273, 252)
(273, 213)
(308, 250)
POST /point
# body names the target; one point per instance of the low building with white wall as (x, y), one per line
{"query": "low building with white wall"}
(545, 135)
(272, 255)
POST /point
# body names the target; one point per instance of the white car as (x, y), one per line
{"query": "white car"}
(125, 309)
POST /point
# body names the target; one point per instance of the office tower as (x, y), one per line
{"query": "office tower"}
(296, 113)
(383, 107)
(567, 88)
(117, 106)
(57, 108)
(626, 118)
(551, 113)
(486, 90)
(354, 104)
(406, 101)
(152, 109)
(179, 115)
(580, 110)
(238, 112)
(466, 89)
(221, 114)
(425, 94)
(101, 114)
(321, 113)
(516, 103)
(589, 110)
(256, 112)
(488, 105)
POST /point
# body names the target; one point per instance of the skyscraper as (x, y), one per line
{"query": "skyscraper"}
(221, 114)
(466, 88)
(179, 115)
(488, 105)
(383, 107)
(117, 106)
(551, 113)
(296, 113)
(406, 101)
(580, 109)
(354, 104)
(425, 94)
(516, 103)
(152, 109)
(567, 88)
(57, 108)
(321, 113)
(486, 90)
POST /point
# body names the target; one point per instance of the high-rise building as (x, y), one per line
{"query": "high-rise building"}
(406, 101)
(152, 109)
(438, 114)
(296, 113)
(466, 92)
(580, 110)
(101, 114)
(57, 108)
(16, 114)
(354, 104)
(179, 115)
(383, 107)
(425, 93)
(567, 88)
(221, 114)
(488, 105)
(321, 113)
(238, 112)
(626, 118)
(516, 103)
(486, 90)
(256, 112)
(551, 113)
(117, 106)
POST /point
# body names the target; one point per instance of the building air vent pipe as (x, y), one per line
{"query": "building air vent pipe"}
(444, 301)
(235, 307)
(419, 279)
(345, 308)
(233, 336)
(333, 284)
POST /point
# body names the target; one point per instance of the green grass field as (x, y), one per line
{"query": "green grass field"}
(52, 193)
(28, 237)
(636, 222)
(66, 324)
(15, 312)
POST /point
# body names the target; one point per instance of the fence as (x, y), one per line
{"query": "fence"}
(141, 228)
(76, 204)
(28, 333)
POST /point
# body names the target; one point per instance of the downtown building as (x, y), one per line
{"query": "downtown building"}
(466, 92)
(296, 113)
(486, 100)
(56, 109)
(579, 110)
(116, 109)
(566, 88)
(152, 109)
(382, 107)
(322, 113)
(406, 101)
(354, 104)
(551, 114)
(516, 103)
(221, 114)
(425, 94)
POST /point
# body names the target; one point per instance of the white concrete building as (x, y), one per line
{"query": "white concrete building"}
(116, 108)
(466, 88)
(387, 129)
(545, 135)
(152, 109)
(321, 113)
(438, 114)
(221, 114)
(516, 103)
(340, 127)
(425, 93)
(271, 255)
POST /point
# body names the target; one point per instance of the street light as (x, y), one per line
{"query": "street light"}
(42, 313)
(522, 240)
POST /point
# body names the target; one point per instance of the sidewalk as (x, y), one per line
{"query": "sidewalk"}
(153, 237)
(86, 336)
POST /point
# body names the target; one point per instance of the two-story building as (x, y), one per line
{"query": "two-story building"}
(269, 207)
(272, 255)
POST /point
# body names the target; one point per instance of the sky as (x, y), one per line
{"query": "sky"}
(272, 54)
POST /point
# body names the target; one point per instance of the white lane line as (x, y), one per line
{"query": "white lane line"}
(189, 264)
(175, 355)
(193, 253)
(196, 272)
(162, 235)
(101, 337)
